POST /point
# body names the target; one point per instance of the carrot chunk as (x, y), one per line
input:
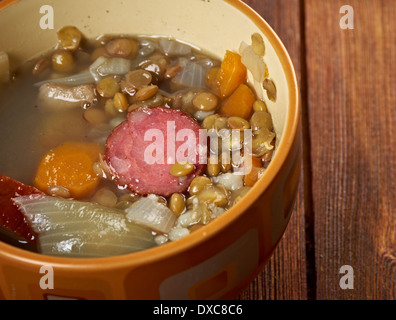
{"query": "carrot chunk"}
(71, 166)
(240, 103)
(232, 73)
(255, 173)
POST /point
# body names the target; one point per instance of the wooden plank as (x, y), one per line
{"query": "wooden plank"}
(284, 277)
(352, 109)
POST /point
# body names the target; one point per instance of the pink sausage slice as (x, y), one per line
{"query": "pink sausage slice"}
(141, 150)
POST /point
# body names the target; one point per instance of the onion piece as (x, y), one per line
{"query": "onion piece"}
(4, 67)
(254, 63)
(82, 229)
(193, 74)
(152, 214)
(104, 66)
(174, 48)
(56, 97)
(84, 77)
(177, 233)
(230, 181)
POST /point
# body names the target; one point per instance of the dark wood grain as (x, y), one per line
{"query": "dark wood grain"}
(352, 113)
(345, 212)
(284, 277)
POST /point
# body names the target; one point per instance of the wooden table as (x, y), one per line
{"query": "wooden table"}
(346, 207)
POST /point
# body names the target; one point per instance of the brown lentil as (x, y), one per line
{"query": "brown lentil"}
(261, 143)
(95, 116)
(156, 65)
(238, 123)
(108, 87)
(41, 65)
(215, 195)
(172, 71)
(69, 38)
(124, 48)
(122, 205)
(209, 121)
(258, 44)
(205, 101)
(177, 203)
(270, 87)
(138, 78)
(133, 107)
(181, 169)
(110, 109)
(120, 102)
(261, 119)
(259, 105)
(99, 52)
(127, 88)
(130, 197)
(198, 184)
(105, 197)
(63, 61)
(213, 166)
(225, 162)
(220, 123)
(146, 93)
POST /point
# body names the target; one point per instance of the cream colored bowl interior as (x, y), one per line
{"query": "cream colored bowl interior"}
(210, 25)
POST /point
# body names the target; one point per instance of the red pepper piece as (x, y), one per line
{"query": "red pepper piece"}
(10, 216)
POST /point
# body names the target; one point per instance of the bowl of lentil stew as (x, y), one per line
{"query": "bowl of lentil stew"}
(218, 259)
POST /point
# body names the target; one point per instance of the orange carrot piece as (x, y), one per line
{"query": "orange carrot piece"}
(232, 73)
(240, 104)
(255, 173)
(71, 166)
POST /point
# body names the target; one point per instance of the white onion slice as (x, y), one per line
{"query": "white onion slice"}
(84, 77)
(152, 214)
(99, 69)
(82, 229)
(254, 63)
(103, 67)
(172, 47)
(58, 97)
(177, 233)
(193, 74)
(230, 181)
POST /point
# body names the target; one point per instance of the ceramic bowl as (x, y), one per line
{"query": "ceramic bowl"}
(216, 261)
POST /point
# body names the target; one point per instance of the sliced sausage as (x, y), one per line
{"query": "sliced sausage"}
(140, 159)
